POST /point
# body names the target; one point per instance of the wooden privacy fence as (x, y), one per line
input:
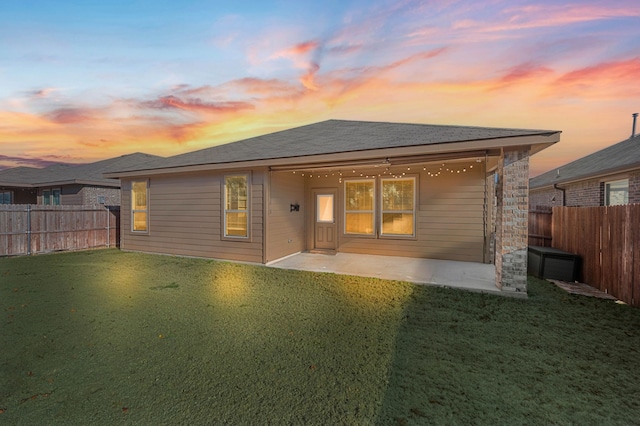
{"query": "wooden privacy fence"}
(540, 227)
(31, 229)
(608, 241)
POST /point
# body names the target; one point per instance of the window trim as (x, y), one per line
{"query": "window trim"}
(607, 185)
(51, 196)
(133, 211)
(374, 228)
(6, 191)
(223, 233)
(414, 234)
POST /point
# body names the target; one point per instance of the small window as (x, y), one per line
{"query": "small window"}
(139, 206)
(359, 204)
(101, 199)
(325, 208)
(398, 207)
(51, 197)
(6, 197)
(616, 192)
(236, 206)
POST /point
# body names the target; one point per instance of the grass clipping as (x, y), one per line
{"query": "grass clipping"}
(111, 337)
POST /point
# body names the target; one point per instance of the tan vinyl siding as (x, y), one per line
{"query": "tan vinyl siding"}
(450, 221)
(185, 218)
(285, 228)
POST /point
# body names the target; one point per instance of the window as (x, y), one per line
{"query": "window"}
(398, 207)
(359, 207)
(616, 192)
(51, 197)
(236, 206)
(5, 197)
(325, 208)
(139, 207)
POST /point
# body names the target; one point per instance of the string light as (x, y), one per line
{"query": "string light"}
(397, 174)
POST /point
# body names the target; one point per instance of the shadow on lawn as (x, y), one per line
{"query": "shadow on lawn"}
(465, 358)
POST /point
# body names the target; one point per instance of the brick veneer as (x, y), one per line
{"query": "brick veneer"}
(549, 197)
(512, 217)
(587, 193)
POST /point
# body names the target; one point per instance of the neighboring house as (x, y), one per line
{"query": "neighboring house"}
(410, 190)
(66, 184)
(607, 177)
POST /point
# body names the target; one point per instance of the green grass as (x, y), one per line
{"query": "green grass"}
(106, 337)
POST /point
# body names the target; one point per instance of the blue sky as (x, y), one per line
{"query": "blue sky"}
(82, 81)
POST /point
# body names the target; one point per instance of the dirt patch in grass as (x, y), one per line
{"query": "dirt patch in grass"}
(108, 337)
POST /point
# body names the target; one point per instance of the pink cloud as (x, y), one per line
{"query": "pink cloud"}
(522, 73)
(173, 102)
(528, 17)
(70, 115)
(602, 78)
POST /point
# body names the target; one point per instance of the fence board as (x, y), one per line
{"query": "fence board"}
(540, 227)
(27, 229)
(608, 241)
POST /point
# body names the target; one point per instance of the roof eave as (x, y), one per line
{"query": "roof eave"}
(598, 174)
(15, 185)
(114, 183)
(535, 142)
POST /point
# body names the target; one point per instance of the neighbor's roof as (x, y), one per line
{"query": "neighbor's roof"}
(331, 137)
(615, 158)
(62, 174)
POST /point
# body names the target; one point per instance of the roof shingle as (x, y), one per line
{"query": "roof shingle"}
(623, 155)
(333, 136)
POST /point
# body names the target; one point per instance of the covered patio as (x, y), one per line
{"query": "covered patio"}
(471, 276)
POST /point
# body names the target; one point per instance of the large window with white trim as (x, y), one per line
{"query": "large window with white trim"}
(359, 207)
(616, 192)
(398, 207)
(139, 206)
(236, 206)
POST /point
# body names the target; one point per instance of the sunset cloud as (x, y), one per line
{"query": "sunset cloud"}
(236, 73)
(173, 102)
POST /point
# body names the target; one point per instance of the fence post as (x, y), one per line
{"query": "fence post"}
(28, 229)
(106, 209)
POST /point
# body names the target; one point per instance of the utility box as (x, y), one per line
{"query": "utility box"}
(547, 262)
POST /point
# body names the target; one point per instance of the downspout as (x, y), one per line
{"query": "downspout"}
(564, 198)
(485, 213)
(28, 229)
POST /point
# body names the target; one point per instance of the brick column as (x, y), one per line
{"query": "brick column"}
(512, 216)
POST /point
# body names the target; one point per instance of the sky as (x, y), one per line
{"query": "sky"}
(82, 81)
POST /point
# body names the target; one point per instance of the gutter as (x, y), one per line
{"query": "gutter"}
(564, 198)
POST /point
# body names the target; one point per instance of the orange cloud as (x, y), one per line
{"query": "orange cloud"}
(604, 79)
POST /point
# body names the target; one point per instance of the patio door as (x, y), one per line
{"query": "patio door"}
(325, 228)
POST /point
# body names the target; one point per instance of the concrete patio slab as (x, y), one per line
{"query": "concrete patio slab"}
(470, 276)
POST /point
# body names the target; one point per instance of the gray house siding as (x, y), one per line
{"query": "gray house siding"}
(450, 218)
(185, 218)
(285, 227)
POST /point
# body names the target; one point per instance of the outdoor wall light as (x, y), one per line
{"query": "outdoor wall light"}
(294, 207)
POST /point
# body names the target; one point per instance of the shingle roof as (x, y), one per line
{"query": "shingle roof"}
(623, 155)
(333, 136)
(62, 173)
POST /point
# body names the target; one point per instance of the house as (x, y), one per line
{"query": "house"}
(607, 177)
(66, 184)
(397, 189)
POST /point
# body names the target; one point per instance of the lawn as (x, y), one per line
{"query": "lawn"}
(108, 337)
